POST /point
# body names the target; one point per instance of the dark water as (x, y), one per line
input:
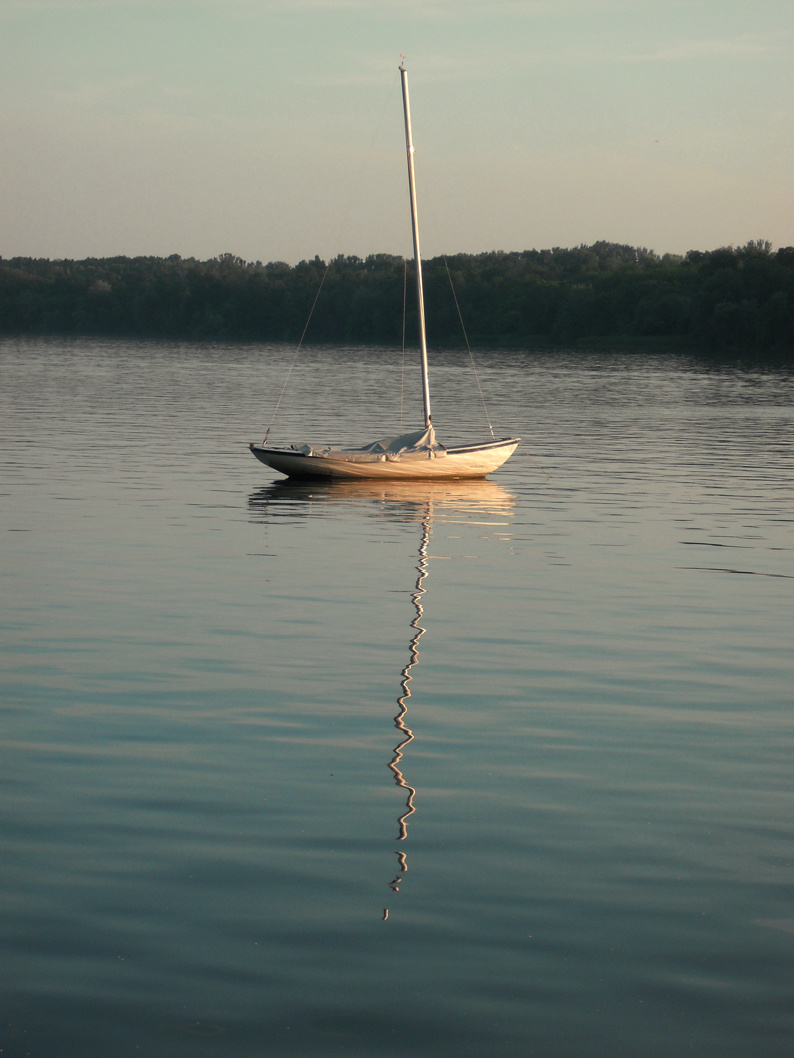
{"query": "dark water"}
(202, 803)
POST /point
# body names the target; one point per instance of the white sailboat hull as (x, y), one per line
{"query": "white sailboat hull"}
(462, 461)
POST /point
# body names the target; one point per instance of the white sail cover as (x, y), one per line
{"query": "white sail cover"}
(419, 444)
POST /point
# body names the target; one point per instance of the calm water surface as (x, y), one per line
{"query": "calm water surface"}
(500, 768)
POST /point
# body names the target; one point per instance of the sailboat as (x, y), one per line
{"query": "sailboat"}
(413, 455)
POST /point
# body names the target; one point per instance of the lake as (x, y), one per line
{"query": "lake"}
(499, 767)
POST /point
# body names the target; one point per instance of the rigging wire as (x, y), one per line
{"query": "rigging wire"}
(402, 364)
(477, 377)
(471, 354)
(297, 352)
(342, 225)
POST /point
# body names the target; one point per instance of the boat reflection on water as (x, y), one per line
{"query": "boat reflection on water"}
(414, 501)
(409, 500)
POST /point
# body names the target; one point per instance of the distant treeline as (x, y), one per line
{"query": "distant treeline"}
(739, 299)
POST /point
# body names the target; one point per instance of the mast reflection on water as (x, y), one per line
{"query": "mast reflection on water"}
(402, 701)
(414, 501)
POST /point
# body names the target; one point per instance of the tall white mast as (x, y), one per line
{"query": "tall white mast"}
(417, 254)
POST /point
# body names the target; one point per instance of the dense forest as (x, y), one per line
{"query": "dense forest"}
(732, 299)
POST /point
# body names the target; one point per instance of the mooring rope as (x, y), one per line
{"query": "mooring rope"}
(531, 458)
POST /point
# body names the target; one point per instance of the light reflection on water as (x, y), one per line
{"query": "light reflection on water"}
(202, 670)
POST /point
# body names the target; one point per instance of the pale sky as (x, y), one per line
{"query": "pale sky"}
(272, 129)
